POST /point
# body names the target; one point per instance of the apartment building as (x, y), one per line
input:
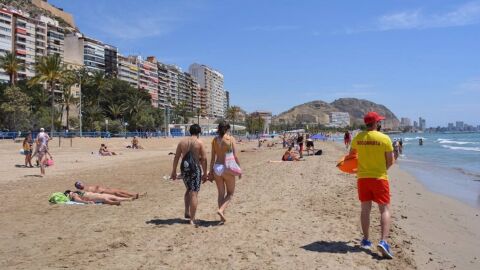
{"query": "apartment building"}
(128, 70)
(111, 60)
(163, 85)
(6, 37)
(339, 119)
(148, 77)
(212, 81)
(91, 51)
(28, 38)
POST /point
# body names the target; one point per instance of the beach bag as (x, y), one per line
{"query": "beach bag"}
(231, 165)
(319, 152)
(189, 165)
(58, 198)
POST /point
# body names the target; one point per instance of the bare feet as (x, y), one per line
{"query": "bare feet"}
(222, 217)
(194, 223)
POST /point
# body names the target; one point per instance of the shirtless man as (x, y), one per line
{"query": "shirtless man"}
(105, 190)
(193, 178)
(91, 198)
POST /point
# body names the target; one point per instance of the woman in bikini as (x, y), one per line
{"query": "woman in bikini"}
(90, 197)
(225, 181)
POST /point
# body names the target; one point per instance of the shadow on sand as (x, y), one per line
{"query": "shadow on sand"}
(172, 221)
(33, 175)
(339, 247)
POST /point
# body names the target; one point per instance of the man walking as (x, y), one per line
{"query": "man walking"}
(375, 156)
(193, 154)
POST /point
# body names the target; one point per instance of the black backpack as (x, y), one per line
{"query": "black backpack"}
(189, 166)
(319, 152)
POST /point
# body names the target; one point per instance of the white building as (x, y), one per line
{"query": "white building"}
(212, 81)
(339, 119)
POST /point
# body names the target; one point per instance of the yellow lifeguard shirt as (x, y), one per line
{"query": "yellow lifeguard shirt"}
(371, 147)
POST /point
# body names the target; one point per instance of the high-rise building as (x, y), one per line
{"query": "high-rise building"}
(415, 124)
(6, 36)
(460, 125)
(422, 124)
(163, 85)
(227, 94)
(28, 38)
(405, 122)
(451, 126)
(127, 70)
(148, 77)
(91, 51)
(111, 60)
(212, 81)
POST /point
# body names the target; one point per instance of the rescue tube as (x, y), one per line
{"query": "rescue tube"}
(348, 163)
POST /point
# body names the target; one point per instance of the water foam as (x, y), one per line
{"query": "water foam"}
(476, 149)
(447, 141)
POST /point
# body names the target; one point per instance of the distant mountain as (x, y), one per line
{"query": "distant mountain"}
(318, 112)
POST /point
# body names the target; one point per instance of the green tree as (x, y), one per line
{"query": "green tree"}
(254, 124)
(116, 111)
(11, 64)
(232, 115)
(93, 117)
(16, 107)
(49, 70)
(68, 80)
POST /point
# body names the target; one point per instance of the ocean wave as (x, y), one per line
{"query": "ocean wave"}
(476, 149)
(416, 138)
(447, 141)
(463, 171)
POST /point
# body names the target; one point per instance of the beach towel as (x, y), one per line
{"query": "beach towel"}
(58, 198)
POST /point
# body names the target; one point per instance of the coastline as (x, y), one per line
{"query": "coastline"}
(444, 232)
(289, 215)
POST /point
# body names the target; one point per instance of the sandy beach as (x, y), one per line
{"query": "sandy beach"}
(289, 215)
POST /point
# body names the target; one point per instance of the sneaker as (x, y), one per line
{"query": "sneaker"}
(366, 244)
(384, 248)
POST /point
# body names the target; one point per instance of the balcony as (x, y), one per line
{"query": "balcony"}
(21, 31)
(21, 52)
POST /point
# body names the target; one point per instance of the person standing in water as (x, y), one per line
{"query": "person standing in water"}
(221, 145)
(192, 151)
(375, 156)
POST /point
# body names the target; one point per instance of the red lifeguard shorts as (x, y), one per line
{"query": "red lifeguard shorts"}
(373, 189)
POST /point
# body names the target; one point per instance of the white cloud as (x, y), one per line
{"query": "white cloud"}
(466, 14)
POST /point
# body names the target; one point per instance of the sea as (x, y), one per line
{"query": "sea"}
(446, 163)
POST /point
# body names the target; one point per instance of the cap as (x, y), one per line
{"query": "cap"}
(42, 129)
(372, 117)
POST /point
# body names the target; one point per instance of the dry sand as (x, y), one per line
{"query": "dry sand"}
(291, 215)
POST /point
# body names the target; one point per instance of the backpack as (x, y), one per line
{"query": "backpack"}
(58, 198)
(189, 165)
(319, 152)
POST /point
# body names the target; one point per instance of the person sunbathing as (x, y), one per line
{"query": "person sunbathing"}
(103, 151)
(91, 198)
(290, 155)
(105, 190)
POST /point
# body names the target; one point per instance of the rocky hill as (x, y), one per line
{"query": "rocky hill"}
(318, 112)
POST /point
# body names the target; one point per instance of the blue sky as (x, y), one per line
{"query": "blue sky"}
(419, 58)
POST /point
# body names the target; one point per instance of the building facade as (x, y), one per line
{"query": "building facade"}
(212, 81)
(339, 119)
(148, 77)
(111, 60)
(127, 70)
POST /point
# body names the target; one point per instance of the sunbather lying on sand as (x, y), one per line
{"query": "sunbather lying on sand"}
(105, 190)
(90, 197)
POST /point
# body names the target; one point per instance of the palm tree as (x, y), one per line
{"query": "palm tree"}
(101, 84)
(232, 113)
(135, 104)
(116, 110)
(68, 80)
(93, 113)
(49, 70)
(11, 64)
